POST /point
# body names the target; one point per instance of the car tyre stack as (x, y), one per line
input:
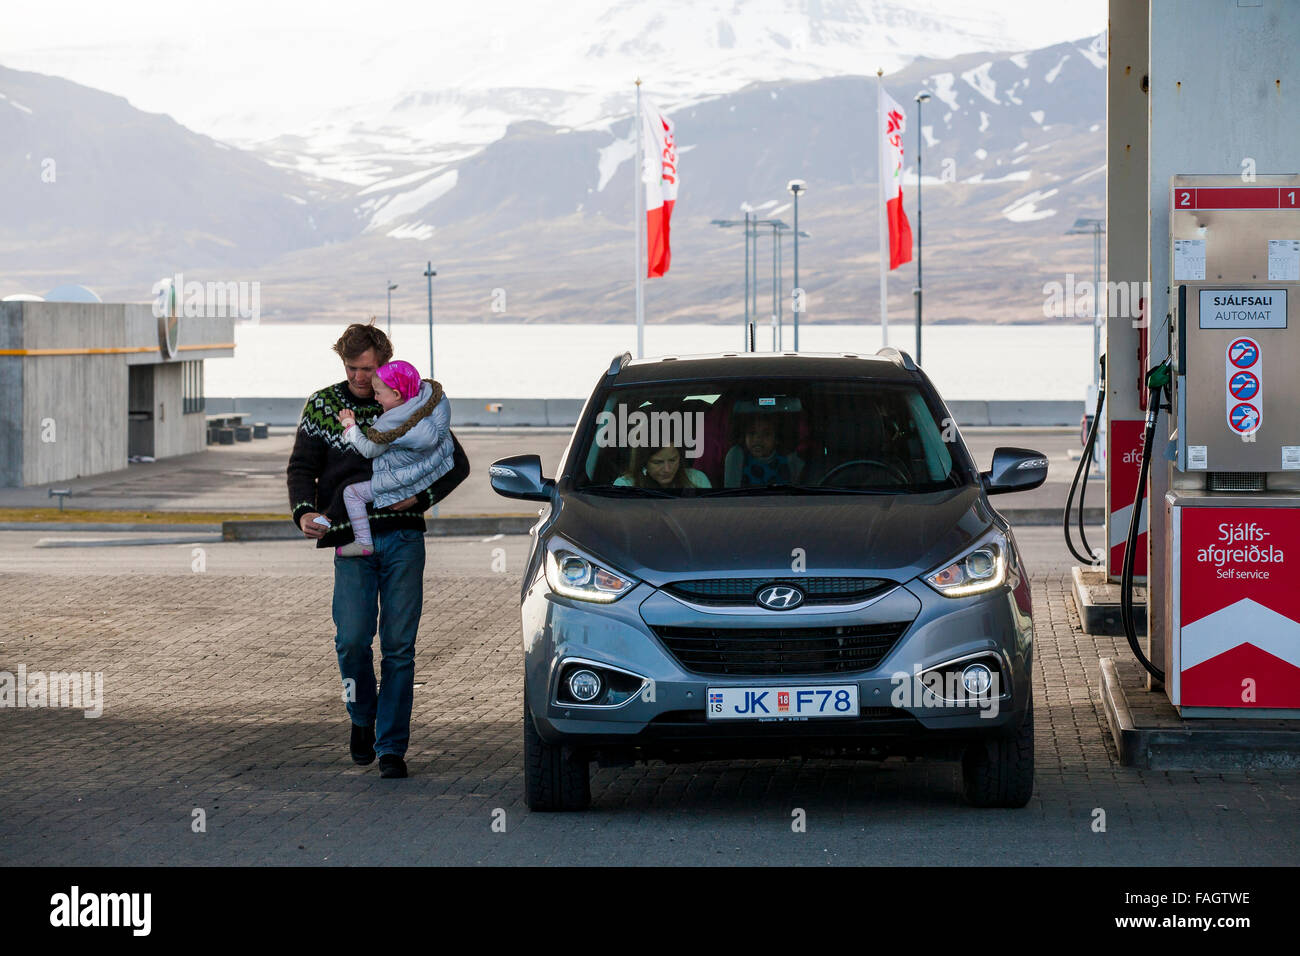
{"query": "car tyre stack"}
(555, 778)
(999, 771)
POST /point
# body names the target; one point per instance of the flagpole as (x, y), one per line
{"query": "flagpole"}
(638, 186)
(884, 231)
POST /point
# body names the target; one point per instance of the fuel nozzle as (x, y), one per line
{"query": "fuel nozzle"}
(1159, 377)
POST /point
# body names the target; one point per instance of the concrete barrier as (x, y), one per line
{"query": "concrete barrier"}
(273, 411)
(563, 412)
(1005, 414)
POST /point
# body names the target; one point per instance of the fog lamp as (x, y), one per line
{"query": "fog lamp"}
(584, 685)
(977, 679)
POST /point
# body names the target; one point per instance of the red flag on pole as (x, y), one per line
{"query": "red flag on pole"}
(660, 186)
(891, 184)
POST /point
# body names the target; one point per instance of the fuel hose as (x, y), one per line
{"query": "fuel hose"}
(1090, 443)
(1158, 383)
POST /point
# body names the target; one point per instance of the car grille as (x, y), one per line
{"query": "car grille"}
(737, 651)
(723, 592)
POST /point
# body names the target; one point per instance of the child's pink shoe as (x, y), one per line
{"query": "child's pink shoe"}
(353, 550)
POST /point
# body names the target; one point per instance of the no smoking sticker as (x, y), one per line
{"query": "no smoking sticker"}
(1243, 386)
(1243, 353)
(1244, 380)
(1243, 418)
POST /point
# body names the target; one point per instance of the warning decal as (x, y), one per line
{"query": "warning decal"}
(1244, 391)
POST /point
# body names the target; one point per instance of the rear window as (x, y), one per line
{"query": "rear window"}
(788, 436)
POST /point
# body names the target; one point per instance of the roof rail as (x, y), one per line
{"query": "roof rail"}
(901, 359)
(616, 366)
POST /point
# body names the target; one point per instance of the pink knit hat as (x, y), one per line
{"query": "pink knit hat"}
(401, 377)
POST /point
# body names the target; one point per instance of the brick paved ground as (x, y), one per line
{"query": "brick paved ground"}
(221, 694)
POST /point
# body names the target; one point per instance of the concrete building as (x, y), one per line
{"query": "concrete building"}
(85, 386)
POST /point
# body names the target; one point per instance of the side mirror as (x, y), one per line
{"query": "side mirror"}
(520, 476)
(1015, 469)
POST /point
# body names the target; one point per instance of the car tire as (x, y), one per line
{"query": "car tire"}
(999, 771)
(555, 777)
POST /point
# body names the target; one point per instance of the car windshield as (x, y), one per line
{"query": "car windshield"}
(738, 437)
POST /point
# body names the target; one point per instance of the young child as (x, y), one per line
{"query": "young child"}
(757, 461)
(410, 443)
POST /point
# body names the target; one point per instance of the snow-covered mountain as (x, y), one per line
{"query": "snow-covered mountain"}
(990, 119)
(90, 185)
(1014, 151)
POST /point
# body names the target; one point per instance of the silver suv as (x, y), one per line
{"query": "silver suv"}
(770, 555)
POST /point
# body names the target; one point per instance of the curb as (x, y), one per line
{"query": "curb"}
(437, 527)
(1120, 718)
(1042, 517)
(1105, 617)
(1194, 745)
(206, 537)
(135, 528)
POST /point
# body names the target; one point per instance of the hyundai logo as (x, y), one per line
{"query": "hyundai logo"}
(780, 597)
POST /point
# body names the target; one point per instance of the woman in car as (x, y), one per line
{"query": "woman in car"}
(661, 467)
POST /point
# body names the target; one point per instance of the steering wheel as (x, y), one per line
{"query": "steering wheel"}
(876, 462)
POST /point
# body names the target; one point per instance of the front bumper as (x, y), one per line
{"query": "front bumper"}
(668, 715)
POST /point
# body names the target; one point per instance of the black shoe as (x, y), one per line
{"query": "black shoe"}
(391, 765)
(363, 745)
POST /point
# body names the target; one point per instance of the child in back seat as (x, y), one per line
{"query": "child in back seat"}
(757, 460)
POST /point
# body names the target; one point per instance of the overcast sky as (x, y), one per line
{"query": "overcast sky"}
(36, 26)
(235, 68)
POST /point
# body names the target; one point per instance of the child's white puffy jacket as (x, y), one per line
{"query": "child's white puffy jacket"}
(410, 444)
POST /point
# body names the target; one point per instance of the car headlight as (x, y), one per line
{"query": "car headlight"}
(979, 569)
(577, 576)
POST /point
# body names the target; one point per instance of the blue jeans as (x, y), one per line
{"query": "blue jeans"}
(392, 578)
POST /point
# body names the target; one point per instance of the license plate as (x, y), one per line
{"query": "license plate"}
(782, 703)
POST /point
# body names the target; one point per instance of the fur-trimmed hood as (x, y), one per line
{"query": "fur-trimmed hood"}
(407, 415)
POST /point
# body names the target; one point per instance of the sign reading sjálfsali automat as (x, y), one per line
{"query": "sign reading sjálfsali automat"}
(1243, 308)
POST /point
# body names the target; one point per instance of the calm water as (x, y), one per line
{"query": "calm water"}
(564, 361)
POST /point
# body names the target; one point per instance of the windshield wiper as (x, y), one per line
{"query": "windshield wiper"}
(788, 489)
(627, 491)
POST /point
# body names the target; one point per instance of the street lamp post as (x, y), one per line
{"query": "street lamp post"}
(920, 99)
(748, 343)
(726, 224)
(796, 186)
(776, 225)
(1094, 228)
(779, 230)
(754, 310)
(429, 273)
(391, 286)
(780, 306)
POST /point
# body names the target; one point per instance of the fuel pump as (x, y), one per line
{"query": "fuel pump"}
(1232, 610)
